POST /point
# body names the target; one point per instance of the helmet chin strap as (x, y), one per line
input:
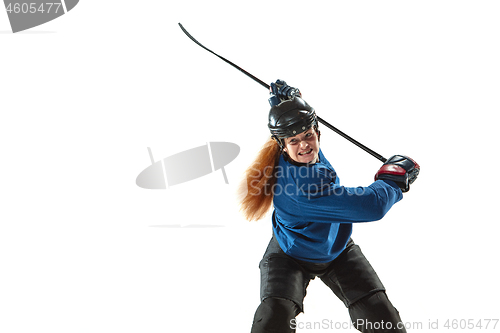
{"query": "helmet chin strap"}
(279, 142)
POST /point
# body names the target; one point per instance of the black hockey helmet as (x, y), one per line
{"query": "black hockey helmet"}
(290, 118)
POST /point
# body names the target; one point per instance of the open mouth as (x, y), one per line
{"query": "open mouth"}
(306, 152)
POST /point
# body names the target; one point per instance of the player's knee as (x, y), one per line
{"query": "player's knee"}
(275, 315)
(375, 313)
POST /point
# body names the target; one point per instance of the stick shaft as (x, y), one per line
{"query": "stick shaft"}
(229, 62)
(360, 145)
(262, 83)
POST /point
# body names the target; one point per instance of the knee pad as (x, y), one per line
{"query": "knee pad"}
(275, 315)
(371, 311)
(283, 278)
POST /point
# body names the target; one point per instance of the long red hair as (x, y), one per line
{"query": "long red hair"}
(256, 189)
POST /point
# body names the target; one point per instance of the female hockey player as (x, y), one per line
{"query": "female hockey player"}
(312, 221)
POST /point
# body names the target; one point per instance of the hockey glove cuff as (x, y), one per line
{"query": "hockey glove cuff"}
(400, 169)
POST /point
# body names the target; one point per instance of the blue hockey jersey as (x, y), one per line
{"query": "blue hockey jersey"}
(313, 213)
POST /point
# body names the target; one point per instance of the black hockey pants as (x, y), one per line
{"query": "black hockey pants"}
(350, 276)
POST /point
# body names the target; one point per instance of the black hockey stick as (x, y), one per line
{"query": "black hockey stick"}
(339, 132)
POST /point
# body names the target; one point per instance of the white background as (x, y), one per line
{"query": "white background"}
(83, 249)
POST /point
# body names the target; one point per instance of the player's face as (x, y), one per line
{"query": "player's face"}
(303, 147)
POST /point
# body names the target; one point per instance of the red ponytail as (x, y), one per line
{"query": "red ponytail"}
(257, 187)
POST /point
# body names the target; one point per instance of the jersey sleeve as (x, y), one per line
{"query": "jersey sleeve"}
(333, 203)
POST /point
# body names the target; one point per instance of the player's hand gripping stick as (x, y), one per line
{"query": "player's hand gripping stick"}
(400, 169)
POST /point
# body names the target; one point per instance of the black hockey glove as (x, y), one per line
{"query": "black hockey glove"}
(400, 169)
(280, 92)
